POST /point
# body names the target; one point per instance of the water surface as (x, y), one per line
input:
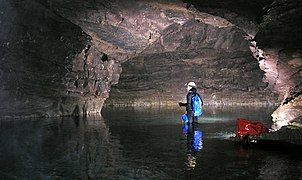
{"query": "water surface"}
(130, 143)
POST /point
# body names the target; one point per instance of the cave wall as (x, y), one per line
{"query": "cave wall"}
(193, 46)
(68, 57)
(48, 64)
(280, 39)
(217, 59)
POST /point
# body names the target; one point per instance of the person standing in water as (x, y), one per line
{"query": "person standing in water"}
(193, 104)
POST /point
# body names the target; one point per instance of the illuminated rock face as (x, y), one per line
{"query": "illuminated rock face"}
(67, 57)
(280, 38)
(283, 74)
(223, 68)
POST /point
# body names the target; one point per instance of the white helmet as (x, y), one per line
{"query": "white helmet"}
(191, 84)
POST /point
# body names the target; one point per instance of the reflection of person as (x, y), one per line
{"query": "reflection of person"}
(191, 88)
(194, 144)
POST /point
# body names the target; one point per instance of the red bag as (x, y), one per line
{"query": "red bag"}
(246, 127)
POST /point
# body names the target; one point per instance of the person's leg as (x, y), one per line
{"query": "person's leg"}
(190, 119)
(195, 119)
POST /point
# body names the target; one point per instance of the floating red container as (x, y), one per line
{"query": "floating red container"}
(245, 127)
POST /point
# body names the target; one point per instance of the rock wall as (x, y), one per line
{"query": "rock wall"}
(66, 57)
(49, 66)
(217, 59)
(193, 46)
(280, 38)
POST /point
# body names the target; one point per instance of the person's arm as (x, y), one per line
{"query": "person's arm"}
(182, 104)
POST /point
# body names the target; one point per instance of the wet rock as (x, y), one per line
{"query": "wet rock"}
(288, 134)
(288, 114)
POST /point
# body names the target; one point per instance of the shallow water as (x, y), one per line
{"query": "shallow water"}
(139, 144)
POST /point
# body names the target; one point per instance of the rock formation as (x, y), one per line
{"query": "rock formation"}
(62, 57)
(280, 38)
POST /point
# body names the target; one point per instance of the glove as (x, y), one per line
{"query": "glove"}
(182, 104)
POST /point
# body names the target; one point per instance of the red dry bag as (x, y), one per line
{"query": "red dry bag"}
(246, 127)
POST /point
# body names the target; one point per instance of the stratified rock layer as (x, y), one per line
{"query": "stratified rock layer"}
(61, 57)
(192, 46)
(49, 66)
(280, 38)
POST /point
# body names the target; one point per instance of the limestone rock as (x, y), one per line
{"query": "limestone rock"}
(289, 113)
(62, 57)
(49, 66)
(279, 37)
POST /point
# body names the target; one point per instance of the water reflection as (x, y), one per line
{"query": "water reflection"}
(62, 148)
(130, 144)
(194, 143)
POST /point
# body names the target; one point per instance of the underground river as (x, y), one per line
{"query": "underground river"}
(127, 143)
